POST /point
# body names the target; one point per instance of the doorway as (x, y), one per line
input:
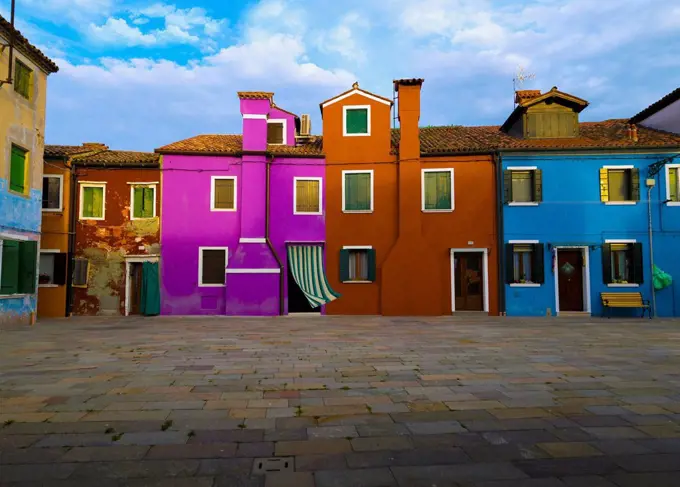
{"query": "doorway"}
(470, 280)
(297, 301)
(135, 294)
(571, 285)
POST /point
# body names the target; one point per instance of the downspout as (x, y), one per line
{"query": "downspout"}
(498, 160)
(651, 245)
(70, 263)
(269, 242)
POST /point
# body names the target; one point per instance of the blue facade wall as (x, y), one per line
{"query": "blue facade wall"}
(20, 219)
(571, 214)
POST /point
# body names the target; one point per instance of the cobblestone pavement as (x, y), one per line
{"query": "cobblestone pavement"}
(342, 401)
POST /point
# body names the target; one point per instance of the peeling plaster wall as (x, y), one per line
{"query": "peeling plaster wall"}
(106, 243)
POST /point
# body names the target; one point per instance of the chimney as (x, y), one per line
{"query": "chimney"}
(522, 96)
(95, 146)
(634, 133)
(255, 107)
(408, 92)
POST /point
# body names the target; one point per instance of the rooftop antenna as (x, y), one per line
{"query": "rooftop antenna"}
(518, 81)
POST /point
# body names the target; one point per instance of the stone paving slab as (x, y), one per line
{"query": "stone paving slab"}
(358, 401)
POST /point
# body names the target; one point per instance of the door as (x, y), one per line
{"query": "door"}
(570, 279)
(469, 281)
(297, 301)
(135, 287)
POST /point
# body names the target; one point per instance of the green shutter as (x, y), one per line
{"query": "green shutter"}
(430, 189)
(138, 202)
(509, 263)
(356, 121)
(148, 202)
(437, 190)
(22, 79)
(635, 184)
(17, 175)
(537, 263)
(87, 202)
(507, 186)
(9, 282)
(371, 264)
(28, 261)
(358, 192)
(607, 263)
(673, 183)
(344, 265)
(538, 185)
(638, 264)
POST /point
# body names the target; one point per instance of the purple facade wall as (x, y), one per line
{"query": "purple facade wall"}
(188, 224)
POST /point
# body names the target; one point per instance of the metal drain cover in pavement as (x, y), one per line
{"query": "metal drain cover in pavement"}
(263, 466)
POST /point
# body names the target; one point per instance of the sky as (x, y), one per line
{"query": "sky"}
(140, 74)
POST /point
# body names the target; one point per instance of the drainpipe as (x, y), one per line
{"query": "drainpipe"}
(650, 185)
(498, 160)
(269, 242)
(70, 262)
(11, 47)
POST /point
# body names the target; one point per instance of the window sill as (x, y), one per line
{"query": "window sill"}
(222, 209)
(447, 210)
(302, 213)
(523, 203)
(357, 282)
(48, 285)
(17, 193)
(95, 219)
(145, 218)
(211, 285)
(620, 203)
(357, 211)
(673, 203)
(623, 285)
(524, 284)
(356, 135)
(52, 210)
(14, 296)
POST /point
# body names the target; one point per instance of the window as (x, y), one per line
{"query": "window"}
(51, 269)
(143, 201)
(357, 191)
(619, 184)
(22, 79)
(357, 264)
(673, 183)
(81, 269)
(17, 173)
(437, 189)
(307, 196)
(622, 262)
(276, 132)
(18, 266)
(92, 201)
(525, 263)
(52, 192)
(356, 120)
(523, 185)
(223, 193)
(212, 263)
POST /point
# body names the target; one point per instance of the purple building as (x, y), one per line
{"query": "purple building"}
(243, 220)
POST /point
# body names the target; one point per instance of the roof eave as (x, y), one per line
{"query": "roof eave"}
(655, 107)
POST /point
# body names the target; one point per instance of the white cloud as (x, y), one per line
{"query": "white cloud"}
(116, 31)
(345, 37)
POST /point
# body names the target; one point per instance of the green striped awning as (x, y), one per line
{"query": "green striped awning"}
(306, 265)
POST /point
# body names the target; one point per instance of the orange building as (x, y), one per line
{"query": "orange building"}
(411, 214)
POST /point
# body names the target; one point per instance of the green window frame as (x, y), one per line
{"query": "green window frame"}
(23, 77)
(143, 201)
(357, 120)
(357, 265)
(92, 201)
(17, 172)
(437, 190)
(357, 191)
(18, 267)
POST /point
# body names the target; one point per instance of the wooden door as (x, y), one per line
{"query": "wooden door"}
(570, 279)
(469, 281)
(135, 287)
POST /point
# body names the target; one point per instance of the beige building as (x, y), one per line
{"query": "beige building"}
(23, 92)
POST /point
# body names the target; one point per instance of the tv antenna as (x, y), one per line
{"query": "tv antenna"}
(520, 77)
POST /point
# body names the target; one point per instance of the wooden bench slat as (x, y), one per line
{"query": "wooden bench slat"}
(624, 300)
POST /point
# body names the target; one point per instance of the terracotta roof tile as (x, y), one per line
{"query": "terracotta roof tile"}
(255, 95)
(355, 87)
(408, 82)
(28, 49)
(230, 144)
(523, 95)
(657, 106)
(119, 158)
(72, 150)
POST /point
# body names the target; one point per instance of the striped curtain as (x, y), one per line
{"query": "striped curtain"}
(438, 190)
(306, 265)
(358, 191)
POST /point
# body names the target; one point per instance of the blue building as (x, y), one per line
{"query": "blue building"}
(581, 201)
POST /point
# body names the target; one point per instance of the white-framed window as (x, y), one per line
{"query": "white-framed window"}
(619, 185)
(223, 193)
(307, 196)
(673, 184)
(357, 264)
(523, 186)
(142, 201)
(51, 268)
(437, 190)
(622, 264)
(525, 266)
(212, 265)
(53, 192)
(356, 120)
(277, 129)
(357, 191)
(92, 201)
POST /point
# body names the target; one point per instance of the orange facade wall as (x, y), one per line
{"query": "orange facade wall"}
(55, 237)
(108, 244)
(413, 248)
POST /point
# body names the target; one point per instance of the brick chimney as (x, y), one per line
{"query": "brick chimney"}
(409, 155)
(95, 146)
(255, 108)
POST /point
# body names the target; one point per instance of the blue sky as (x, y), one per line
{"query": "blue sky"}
(138, 74)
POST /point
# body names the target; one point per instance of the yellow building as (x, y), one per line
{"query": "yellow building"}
(23, 89)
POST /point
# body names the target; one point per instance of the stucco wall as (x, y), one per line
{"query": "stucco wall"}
(106, 243)
(571, 213)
